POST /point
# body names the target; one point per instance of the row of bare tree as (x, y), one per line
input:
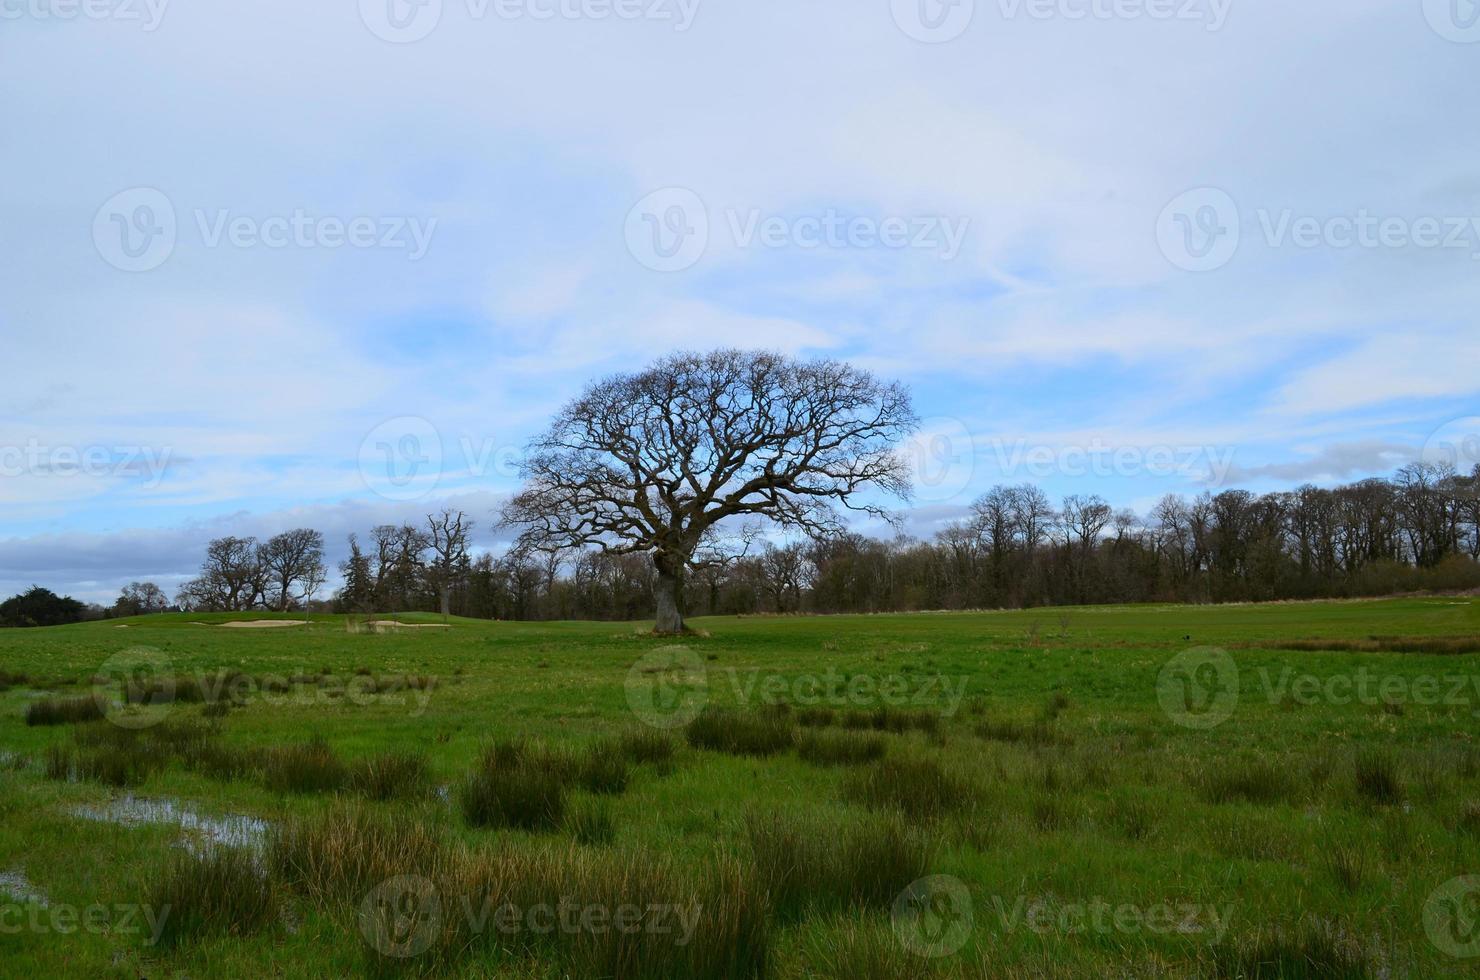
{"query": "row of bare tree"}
(1418, 530)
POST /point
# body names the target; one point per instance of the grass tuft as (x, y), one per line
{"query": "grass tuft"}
(740, 733)
(220, 892)
(841, 748)
(918, 788)
(64, 711)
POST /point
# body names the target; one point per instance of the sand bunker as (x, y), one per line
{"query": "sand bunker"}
(383, 623)
(264, 624)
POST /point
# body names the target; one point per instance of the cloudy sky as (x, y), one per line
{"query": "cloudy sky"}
(331, 264)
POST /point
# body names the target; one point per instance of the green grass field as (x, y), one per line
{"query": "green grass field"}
(1277, 790)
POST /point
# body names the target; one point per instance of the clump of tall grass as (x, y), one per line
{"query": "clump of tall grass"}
(646, 745)
(1376, 776)
(9, 679)
(840, 748)
(918, 788)
(335, 857)
(1246, 780)
(810, 865)
(1443, 645)
(590, 822)
(64, 711)
(1348, 866)
(1312, 951)
(221, 891)
(309, 767)
(512, 787)
(817, 716)
(111, 765)
(740, 732)
(391, 776)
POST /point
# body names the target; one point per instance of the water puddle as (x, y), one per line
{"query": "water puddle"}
(16, 885)
(199, 832)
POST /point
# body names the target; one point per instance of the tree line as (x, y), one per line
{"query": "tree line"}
(1418, 530)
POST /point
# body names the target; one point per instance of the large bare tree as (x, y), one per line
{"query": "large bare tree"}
(653, 462)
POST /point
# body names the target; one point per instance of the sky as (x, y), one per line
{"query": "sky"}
(285, 264)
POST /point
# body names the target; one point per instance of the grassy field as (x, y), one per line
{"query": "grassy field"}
(1283, 790)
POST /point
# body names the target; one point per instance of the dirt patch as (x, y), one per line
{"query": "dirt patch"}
(264, 624)
(392, 624)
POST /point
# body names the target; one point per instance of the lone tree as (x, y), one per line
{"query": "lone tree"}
(653, 462)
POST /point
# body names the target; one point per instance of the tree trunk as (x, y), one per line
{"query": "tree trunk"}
(446, 601)
(669, 596)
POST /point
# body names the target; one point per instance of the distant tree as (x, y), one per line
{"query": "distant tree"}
(652, 462)
(40, 607)
(140, 599)
(232, 578)
(293, 563)
(358, 592)
(783, 573)
(448, 534)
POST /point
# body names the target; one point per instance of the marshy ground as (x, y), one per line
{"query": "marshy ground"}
(1288, 790)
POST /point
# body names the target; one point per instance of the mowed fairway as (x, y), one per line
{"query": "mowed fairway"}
(1069, 815)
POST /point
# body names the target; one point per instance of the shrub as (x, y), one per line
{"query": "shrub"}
(64, 711)
(391, 776)
(308, 768)
(840, 748)
(221, 891)
(919, 788)
(807, 865)
(740, 733)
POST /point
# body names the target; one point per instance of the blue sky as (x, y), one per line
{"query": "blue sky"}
(1214, 244)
